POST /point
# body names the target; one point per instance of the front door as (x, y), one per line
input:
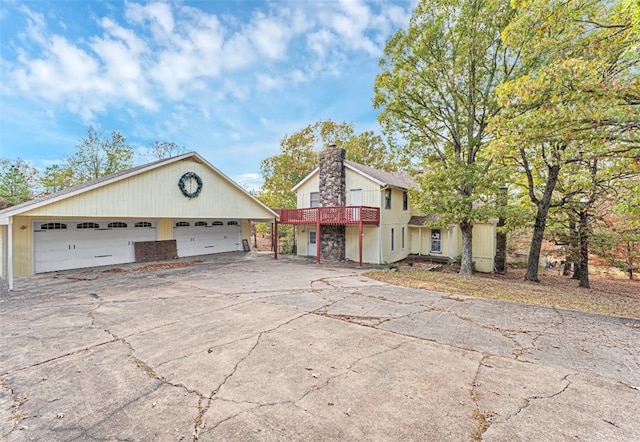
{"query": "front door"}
(312, 245)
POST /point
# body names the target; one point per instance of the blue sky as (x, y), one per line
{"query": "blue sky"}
(228, 79)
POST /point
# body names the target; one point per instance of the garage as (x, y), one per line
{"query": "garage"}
(203, 237)
(68, 244)
(181, 205)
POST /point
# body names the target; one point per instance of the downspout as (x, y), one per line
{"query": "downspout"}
(379, 245)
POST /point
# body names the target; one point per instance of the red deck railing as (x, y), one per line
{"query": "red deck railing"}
(341, 215)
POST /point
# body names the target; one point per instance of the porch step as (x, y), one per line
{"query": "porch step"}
(440, 259)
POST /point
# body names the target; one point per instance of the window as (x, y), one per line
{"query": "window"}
(405, 200)
(436, 241)
(355, 197)
(314, 199)
(182, 224)
(143, 224)
(393, 242)
(233, 223)
(117, 225)
(387, 198)
(217, 223)
(403, 238)
(200, 224)
(53, 226)
(88, 226)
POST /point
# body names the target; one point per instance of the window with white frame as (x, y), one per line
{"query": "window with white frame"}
(393, 239)
(405, 200)
(403, 238)
(436, 241)
(314, 199)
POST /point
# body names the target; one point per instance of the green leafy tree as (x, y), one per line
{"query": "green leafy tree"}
(18, 181)
(165, 149)
(299, 156)
(98, 154)
(436, 95)
(56, 178)
(575, 105)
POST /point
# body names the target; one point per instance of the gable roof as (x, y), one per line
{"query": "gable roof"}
(400, 179)
(111, 178)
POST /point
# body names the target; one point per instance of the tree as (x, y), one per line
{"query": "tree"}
(299, 156)
(56, 178)
(17, 182)
(98, 155)
(165, 149)
(576, 102)
(436, 93)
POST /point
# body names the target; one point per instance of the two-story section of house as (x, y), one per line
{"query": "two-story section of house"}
(349, 211)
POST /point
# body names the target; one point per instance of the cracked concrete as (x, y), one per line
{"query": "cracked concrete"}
(242, 347)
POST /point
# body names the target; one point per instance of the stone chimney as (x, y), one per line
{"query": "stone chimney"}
(332, 194)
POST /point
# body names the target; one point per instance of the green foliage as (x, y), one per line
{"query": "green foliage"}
(98, 155)
(56, 178)
(17, 182)
(569, 126)
(436, 94)
(299, 156)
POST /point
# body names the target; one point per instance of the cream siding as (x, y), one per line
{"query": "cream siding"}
(394, 218)
(484, 236)
(370, 189)
(156, 195)
(303, 194)
(165, 229)
(369, 244)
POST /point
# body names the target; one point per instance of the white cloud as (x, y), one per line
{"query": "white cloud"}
(159, 15)
(267, 82)
(162, 53)
(249, 181)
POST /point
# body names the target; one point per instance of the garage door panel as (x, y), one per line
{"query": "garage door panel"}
(216, 237)
(76, 247)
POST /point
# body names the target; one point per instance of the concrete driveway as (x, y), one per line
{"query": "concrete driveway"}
(241, 347)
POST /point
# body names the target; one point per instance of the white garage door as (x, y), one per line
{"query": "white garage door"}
(203, 237)
(60, 245)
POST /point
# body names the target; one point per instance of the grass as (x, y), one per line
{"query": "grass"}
(609, 295)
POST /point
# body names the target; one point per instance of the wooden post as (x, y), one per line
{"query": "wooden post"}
(274, 238)
(318, 236)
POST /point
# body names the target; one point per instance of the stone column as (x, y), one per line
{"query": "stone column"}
(332, 194)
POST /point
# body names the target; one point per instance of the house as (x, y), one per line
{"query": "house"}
(175, 207)
(346, 210)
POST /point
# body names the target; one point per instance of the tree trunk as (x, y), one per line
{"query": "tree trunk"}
(540, 224)
(500, 260)
(566, 270)
(466, 264)
(584, 250)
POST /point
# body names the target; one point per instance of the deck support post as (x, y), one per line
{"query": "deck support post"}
(318, 238)
(275, 239)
